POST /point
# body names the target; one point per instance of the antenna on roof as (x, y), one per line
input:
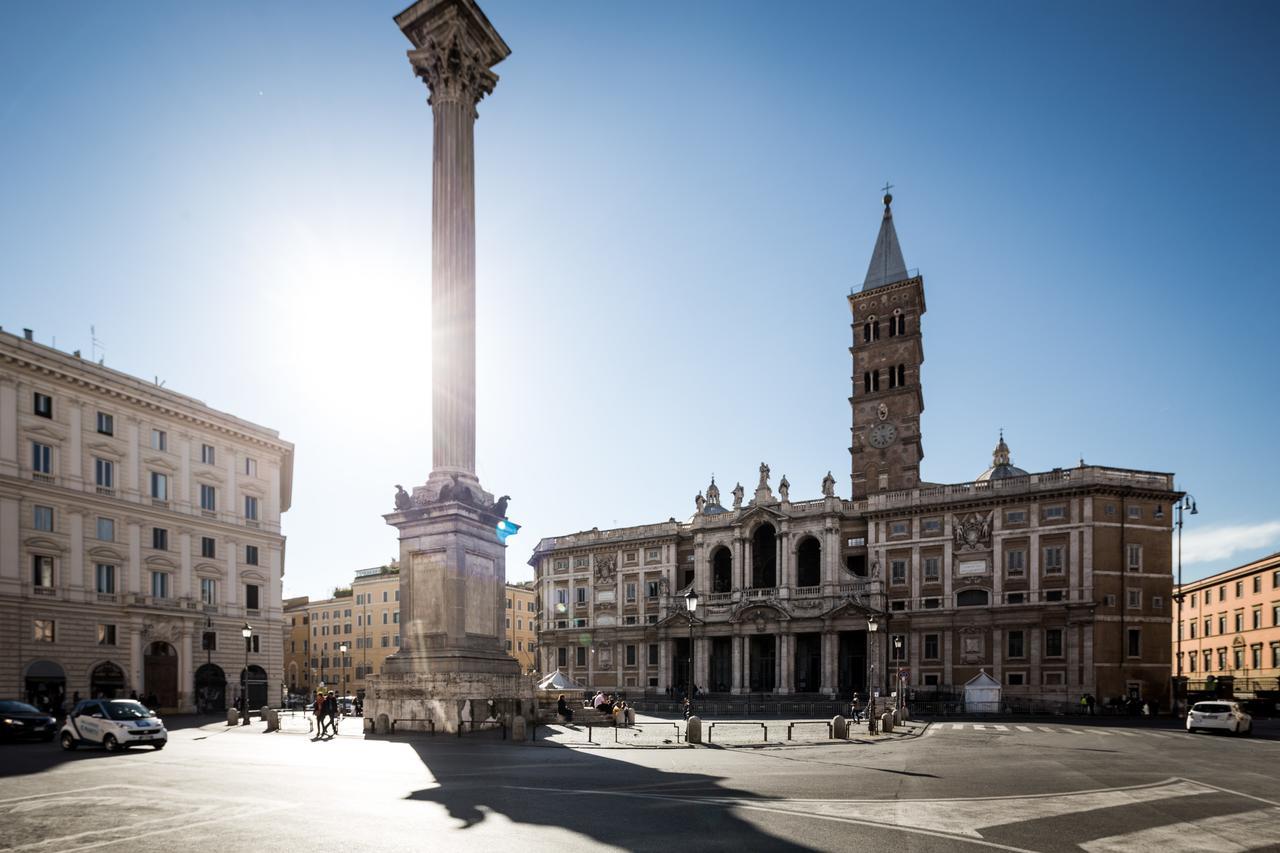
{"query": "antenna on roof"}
(159, 382)
(95, 346)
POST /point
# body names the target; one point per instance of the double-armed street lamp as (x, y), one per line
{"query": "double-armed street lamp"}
(247, 633)
(691, 605)
(1188, 503)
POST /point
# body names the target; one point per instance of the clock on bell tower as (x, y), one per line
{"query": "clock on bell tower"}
(887, 355)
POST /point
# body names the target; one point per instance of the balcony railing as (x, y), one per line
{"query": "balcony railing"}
(760, 592)
(41, 477)
(807, 591)
(105, 491)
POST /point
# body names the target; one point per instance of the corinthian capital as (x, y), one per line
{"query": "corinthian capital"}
(455, 47)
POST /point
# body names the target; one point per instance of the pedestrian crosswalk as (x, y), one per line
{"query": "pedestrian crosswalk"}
(1039, 729)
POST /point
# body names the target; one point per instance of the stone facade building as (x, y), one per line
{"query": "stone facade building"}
(1055, 583)
(139, 532)
(1230, 627)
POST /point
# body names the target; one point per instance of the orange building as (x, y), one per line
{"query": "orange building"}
(1230, 627)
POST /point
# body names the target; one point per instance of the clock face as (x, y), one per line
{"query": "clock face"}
(882, 435)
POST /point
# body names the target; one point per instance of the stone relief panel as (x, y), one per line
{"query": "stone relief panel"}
(972, 645)
(481, 596)
(428, 569)
(972, 531)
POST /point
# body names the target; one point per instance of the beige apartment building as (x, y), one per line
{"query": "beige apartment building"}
(1056, 583)
(1230, 627)
(139, 534)
(365, 616)
(522, 633)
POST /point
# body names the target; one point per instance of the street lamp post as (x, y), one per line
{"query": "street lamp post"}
(897, 660)
(691, 605)
(1187, 503)
(342, 649)
(247, 633)
(873, 625)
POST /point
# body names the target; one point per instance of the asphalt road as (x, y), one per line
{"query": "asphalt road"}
(960, 786)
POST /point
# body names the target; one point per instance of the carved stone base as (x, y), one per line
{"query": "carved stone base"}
(448, 699)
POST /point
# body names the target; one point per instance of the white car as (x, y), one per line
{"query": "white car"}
(1223, 714)
(112, 723)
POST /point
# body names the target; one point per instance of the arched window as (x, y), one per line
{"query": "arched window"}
(897, 375)
(871, 330)
(764, 557)
(809, 562)
(971, 598)
(722, 570)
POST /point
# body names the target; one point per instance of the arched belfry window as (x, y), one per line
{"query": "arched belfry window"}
(809, 562)
(722, 570)
(764, 557)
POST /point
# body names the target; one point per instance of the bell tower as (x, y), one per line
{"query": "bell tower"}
(887, 354)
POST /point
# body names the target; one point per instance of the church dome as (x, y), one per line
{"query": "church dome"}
(1001, 466)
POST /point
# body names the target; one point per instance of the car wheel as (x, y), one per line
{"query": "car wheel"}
(158, 746)
(110, 744)
(68, 742)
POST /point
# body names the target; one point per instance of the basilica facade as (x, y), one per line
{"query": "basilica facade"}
(1056, 584)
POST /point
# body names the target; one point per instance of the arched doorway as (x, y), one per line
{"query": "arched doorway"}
(46, 685)
(257, 687)
(160, 674)
(211, 689)
(722, 570)
(106, 681)
(764, 557)
(809, 562)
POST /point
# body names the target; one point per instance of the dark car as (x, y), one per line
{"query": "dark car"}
(19, 720)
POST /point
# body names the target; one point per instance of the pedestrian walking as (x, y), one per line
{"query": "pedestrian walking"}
(855, 708)
(331, 709)
(318, 708)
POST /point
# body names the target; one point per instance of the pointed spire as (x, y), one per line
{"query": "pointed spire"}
(1000, 456)
(887, 265)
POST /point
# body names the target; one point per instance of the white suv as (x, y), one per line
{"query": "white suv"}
(1223, 714)
(113, 723)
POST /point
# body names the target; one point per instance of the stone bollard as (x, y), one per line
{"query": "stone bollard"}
(383, 725)
(233, 717)
(263, 711)
(897, 717)
(886, 722)
(368, 725)
(629, 717)
(839, 727)
(519, 729)
(693, 730)
(273, 720)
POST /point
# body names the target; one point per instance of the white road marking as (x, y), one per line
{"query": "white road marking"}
(1233, 833)
(957, 726)
(1023, 728)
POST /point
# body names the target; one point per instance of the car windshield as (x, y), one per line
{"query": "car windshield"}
(127, 709)
(11, 707)
(1211, 708)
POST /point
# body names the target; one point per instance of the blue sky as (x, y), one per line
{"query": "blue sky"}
(673, 202)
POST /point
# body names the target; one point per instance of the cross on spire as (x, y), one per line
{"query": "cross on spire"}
(887, 186)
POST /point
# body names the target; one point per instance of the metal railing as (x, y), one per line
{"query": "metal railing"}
(764, 728)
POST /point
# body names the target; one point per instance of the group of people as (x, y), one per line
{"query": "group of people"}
(606, 704)
(328, 711)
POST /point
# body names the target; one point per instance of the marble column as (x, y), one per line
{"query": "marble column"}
(454, 49)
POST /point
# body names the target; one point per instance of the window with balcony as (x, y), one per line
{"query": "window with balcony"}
(106, 424)
(898, 571)
(42, 571)
(1015, 562)
(1053, 560)
(932, 568)
(41, 458)
(105, 578)
(159, 486)
(209, 591)
(104, 474)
